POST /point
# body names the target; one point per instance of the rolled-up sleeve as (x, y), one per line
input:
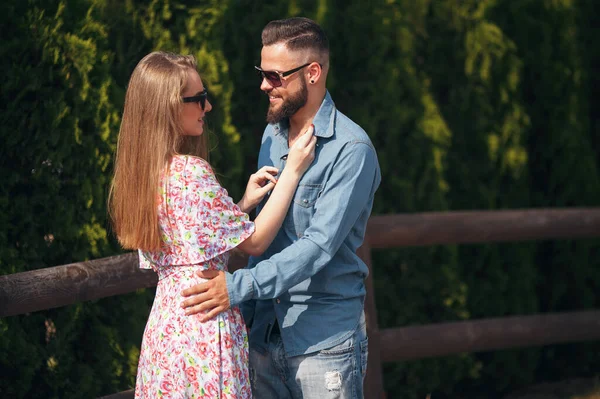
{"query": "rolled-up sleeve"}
(345, 196)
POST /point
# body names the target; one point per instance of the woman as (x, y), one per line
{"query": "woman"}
(166, 202)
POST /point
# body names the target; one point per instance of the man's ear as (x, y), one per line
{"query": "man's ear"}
(314, 72)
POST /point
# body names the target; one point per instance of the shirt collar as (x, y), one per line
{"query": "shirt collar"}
(323, 120)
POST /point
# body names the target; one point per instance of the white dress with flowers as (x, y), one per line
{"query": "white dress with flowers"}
(182, 357)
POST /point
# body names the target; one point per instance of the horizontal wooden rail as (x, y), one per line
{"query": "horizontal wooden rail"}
(434, 340)
(63, 285)
(433, 228)
(57, 286)
(441, 339)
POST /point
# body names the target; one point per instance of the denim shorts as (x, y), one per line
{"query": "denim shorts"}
(337, 372)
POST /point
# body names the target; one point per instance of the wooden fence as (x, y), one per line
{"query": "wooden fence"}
(63, 285)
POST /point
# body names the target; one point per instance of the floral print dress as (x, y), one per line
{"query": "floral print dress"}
(180, 356)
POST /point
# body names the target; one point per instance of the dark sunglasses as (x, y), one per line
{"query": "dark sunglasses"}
(275, 78)
(199, 98)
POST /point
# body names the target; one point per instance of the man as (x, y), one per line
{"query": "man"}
(305, 294)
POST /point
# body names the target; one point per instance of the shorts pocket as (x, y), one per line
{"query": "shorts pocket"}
(346, 347)
(364, 354)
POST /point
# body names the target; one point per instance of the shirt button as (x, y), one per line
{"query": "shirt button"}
(305, 201)
(278, 300)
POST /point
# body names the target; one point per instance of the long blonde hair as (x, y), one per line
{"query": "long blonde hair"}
(150, 135)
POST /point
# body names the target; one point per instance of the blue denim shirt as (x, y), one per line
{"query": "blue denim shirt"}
(310, 279)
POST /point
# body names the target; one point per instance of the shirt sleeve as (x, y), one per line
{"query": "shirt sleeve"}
(211, 223)
(347, 194)
(248, 307)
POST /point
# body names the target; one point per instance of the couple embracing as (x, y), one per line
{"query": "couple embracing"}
(291, 324)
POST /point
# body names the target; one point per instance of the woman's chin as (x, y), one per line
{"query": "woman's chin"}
(197, 132)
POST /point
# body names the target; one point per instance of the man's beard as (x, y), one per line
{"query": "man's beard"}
(289, 106)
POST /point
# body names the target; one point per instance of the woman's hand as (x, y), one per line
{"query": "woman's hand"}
(259, 184)
(302, 152)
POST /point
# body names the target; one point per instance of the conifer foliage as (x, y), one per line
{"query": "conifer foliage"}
(473, 104)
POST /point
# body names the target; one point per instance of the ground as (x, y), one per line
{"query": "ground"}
(581, 388)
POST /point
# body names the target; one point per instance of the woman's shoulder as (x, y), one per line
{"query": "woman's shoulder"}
(191, 163)
(189, 159)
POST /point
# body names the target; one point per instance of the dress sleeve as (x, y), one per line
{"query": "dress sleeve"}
(212, 223)
(144, 262)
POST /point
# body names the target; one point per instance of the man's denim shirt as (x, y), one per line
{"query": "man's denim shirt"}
(310, 278)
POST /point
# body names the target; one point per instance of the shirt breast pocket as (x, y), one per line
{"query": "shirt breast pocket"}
(302, 208)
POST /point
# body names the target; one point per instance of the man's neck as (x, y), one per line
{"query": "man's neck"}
(301, 120)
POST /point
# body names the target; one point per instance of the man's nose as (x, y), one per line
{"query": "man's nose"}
(265, 85)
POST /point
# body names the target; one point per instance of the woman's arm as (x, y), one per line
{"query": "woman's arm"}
(268, 222)
(259, 184)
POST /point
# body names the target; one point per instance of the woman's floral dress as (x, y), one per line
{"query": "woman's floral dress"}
(182, 357)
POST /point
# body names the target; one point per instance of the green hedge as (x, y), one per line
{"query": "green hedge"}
(471, 105)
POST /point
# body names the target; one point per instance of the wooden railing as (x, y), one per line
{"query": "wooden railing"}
(63, 285)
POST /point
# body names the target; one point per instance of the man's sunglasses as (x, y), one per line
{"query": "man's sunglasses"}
(199, 98)
(275, 78)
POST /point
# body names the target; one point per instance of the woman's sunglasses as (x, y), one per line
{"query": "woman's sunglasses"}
(199, 98)
(275, 78)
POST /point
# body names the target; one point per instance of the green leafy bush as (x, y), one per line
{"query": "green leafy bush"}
(471, 105)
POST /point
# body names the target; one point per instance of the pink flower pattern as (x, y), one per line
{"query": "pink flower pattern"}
(180, 356)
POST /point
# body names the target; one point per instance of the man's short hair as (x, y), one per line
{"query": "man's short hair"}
(298, 34)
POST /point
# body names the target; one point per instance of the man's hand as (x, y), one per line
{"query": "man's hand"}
(211, 296)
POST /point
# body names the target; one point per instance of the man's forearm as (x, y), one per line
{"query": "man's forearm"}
(270, 278)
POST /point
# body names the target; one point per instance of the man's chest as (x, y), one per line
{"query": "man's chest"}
(274, 152)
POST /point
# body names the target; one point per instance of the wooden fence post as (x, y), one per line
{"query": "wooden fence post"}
(373, 387)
